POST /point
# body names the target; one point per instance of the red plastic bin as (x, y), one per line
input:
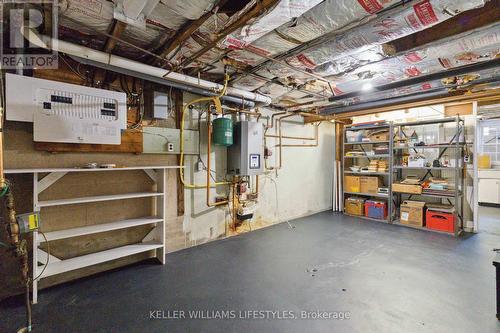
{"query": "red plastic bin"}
(376, 209)
(440, 221)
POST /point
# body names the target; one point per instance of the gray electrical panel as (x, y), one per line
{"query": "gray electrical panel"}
(246, 156)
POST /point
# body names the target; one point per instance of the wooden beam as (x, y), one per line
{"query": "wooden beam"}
(178, 105)
(116, 31)
(186, 31)
(131, 143)
(469, 20)
(313, 118)
(259, 8)
(458, 109)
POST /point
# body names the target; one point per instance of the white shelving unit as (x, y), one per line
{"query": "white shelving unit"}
(154, 240)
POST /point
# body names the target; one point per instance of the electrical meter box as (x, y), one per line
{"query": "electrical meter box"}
(245, 157)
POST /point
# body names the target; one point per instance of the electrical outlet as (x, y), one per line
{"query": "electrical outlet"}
(170, 147)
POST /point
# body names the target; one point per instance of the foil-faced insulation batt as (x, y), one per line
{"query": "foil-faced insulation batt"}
(460, 50)
(321, 19)
(98, 14)
(416, 16)
(284, 11)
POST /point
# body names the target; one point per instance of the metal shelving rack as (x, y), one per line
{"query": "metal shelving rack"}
(387, 175)
(459, 180)
(396, 171)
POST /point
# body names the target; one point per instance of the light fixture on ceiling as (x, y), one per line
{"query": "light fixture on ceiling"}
(367, 87)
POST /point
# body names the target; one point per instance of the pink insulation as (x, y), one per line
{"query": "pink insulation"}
(416, 16)
(323, 18)
(464, 49)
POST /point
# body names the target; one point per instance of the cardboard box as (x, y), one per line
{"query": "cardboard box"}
(352, 184)
(382, 135)
(417, 163)
(370, 184)
(407, 188)
(354, 206)
(412, 213)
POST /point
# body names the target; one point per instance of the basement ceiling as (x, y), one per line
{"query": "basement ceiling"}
(324, 55)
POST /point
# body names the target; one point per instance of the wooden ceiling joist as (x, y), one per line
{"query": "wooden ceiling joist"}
(116, 31)
(466, 21)
(259, 8)
(186, 31)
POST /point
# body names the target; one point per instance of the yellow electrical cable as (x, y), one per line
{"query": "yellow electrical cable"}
(216, 101)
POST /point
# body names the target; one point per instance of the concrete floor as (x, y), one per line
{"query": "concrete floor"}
(389, 278)
(489, 220)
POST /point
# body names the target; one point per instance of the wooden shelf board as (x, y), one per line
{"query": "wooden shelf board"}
(71, 201)
(93, 229)
(67, 265)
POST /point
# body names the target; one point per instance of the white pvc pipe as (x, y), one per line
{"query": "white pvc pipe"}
(114, 60)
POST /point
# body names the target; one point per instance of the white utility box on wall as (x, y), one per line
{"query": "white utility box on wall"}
(63, 112)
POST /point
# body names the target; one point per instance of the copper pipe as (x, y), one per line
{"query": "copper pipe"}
(233, 208)
(252, 113)
(272, 118)
(290, 137)
(2, 176)
(281, 138)
(256, 185)
(209, 144)
(265, 135)
(274, 123)
(308, 145)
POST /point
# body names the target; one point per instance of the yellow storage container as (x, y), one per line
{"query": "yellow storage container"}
(354, 206)
(484, 161)
(352, 184)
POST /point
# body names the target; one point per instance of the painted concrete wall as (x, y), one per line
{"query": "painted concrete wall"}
(302, 187)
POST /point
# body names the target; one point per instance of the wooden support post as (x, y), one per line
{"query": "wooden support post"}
(178, 105)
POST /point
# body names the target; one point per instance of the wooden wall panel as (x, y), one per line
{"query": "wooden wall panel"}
(458, 109)
(132, 142)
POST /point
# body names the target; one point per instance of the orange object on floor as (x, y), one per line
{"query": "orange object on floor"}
(440, 221)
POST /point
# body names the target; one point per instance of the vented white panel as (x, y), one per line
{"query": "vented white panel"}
(64, 112)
